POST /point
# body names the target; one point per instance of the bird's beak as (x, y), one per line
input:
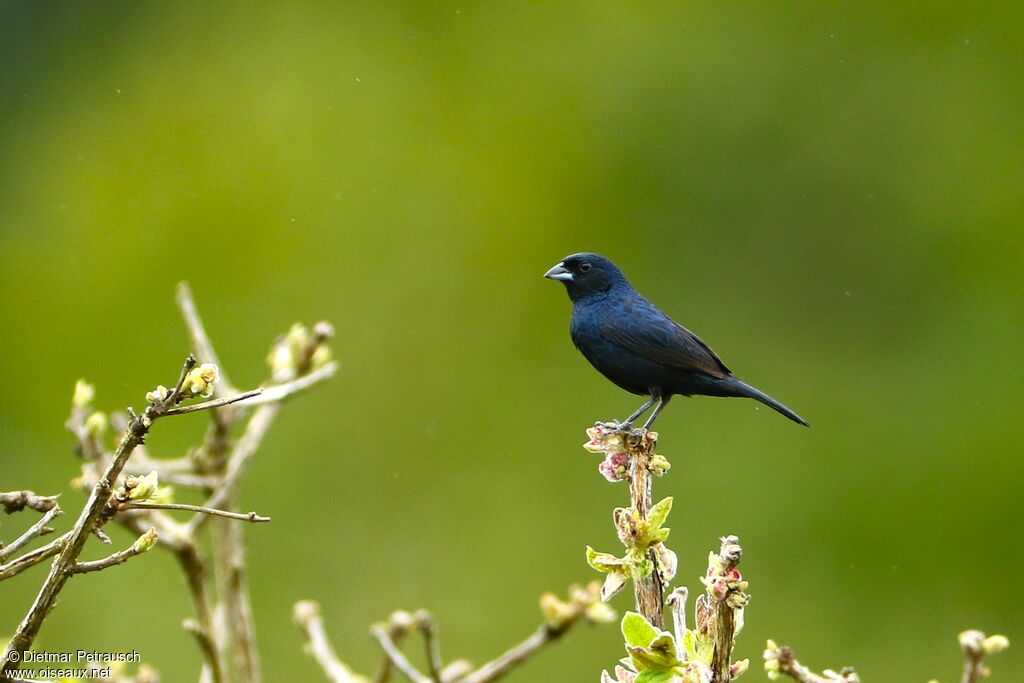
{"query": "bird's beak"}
(558, 272)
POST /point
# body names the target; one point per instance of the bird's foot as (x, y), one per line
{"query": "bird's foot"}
(619, 426)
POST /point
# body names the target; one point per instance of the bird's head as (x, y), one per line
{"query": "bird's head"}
(586, 275)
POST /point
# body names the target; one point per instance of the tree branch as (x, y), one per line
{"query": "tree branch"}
(394, 654)
(648, 590)
(500, 666)
(16, 501)
(308, 618)
(63, 566)
(781, 660)
(143, 544)
(239, 460)
(279, 392)
(245, 517)
(40, 554)
(215, 403)
(37, 529)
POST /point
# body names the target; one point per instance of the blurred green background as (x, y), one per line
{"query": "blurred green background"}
(829, 193)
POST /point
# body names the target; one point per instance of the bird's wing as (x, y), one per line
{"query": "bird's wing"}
(640, 328)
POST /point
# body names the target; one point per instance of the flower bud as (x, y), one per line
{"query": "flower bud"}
(158, 395)
(201, 381)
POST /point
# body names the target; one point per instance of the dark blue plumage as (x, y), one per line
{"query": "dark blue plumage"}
(638, 347)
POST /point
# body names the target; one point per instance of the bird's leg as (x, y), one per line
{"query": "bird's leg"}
(627, 423)
(657, 411)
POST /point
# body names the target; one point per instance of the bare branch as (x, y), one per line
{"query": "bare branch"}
(245, 517)
(394, 654)
(781, 660)
(20, 564)
(426, 625)
(37, 529)
(308, 618)
(215, 403)
(279, 392)
(520, 653)
(16, 501)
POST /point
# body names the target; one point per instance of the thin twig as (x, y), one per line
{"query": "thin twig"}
(215, 403)
(245, 517)
(502, 665)
(383, 674)
(120, 557)
(279, 392)
(33, 531)
(428, 627)
(29, 559)
(308, 618)
(393, 653)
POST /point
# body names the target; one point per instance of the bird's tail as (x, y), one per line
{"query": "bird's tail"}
(744, 389)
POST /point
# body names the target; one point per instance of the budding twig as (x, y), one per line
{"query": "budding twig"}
(976, 646)
(245, 517)
(142, 545)
(63, 566)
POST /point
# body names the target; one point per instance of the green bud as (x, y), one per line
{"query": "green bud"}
(96, 424)
(995, 644)
(146, 541)
(659, 465)
(142, 488)
(83, 395)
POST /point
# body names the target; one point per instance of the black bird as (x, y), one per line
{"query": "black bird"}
(638, 347)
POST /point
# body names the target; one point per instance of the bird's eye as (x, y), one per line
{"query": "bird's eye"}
(585, 267)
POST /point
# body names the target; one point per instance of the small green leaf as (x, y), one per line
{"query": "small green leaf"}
(604, 562)
(665, 646)
(652, 676)
(659, 513)
(637, 631)
(644, 659)
(689, 645)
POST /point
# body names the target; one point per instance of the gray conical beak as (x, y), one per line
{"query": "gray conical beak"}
(558, 272)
